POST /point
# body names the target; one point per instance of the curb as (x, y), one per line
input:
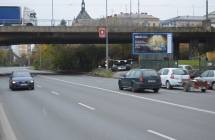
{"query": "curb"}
(6, 132)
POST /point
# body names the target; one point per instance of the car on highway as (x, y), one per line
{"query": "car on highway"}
(21, 80)
(140, 79)
(173, 77)
(209, 76)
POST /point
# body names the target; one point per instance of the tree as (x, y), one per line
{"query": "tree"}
(63, 22)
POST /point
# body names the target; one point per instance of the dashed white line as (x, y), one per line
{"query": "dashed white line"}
(135, 96)
(55, 93)
(86, 106)
(39, 86)
(161, 135)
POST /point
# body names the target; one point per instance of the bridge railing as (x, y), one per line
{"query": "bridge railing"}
(56, 22)
(118, 29)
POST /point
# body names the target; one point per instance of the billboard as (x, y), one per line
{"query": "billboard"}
(146, 43)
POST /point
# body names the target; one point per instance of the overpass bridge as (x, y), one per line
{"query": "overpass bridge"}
(10, 35)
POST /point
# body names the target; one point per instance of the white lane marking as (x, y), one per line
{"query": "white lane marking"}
(39, 86)
(139, 97)
(7, 131)
(161, 135)
(86, 106)
(55, 93)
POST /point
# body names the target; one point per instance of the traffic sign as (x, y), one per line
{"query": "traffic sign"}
(102, 32)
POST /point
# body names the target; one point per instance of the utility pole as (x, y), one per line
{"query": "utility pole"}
(193, 10)
(107, 49)
(130, 8)
(52, 20)
(29, 54)
(40, 57)
(138, 7)
(207, 10)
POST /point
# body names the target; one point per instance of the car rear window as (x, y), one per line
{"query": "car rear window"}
(149, 73)
(179, 72)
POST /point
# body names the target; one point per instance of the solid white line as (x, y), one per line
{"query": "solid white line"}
(8, 133)
(135, 96)
(161, 135)
(86, 106)
(55, 93)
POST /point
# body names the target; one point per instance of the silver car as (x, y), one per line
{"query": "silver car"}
(209, 76)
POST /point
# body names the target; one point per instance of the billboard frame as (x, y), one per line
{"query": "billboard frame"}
(169, 50)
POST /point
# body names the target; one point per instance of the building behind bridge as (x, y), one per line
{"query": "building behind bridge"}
(122, 19)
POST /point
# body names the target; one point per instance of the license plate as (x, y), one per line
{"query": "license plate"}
(23, 84)
(151, 81)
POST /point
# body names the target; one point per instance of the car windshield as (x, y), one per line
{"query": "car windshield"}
(21, 74)
(120, 62)
(179, 72)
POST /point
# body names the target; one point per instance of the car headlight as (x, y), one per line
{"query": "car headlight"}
(32, 81)
(13, 82)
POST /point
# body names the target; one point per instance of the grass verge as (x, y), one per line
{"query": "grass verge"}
(102, 73)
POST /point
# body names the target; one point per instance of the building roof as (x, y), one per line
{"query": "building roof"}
(134, 15)
(187, 18)
(83, 13)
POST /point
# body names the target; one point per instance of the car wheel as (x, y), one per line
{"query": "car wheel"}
(203, 90)
(12, 88)
(213, 86)
(31, 88)
(120, 88)
(156, 90)
(133, 88)
(168, 86)
(187, 87)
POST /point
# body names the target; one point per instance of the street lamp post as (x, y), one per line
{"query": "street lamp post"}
(107, 49)
(52, 20)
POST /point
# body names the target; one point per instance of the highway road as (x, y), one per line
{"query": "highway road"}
(91, 108)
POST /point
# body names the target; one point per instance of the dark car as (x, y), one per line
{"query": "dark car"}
(140, 79)
(120, 65)
(21, 80)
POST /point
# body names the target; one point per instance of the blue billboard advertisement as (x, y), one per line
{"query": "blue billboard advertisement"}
(146, 43)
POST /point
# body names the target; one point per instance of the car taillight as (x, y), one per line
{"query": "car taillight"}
(141, 79)
(189, 77)
(172, 76)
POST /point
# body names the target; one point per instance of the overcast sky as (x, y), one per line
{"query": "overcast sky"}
(68, 9)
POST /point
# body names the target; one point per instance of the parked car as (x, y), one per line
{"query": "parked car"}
(173, 77)
(209, 76)
(192, 72)
(140, 79)
(21, 80)
(186, 67)
(120, 65)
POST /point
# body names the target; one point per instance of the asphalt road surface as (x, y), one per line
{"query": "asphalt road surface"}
(91, 108)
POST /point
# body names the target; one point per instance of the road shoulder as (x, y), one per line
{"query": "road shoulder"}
(6, 132)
